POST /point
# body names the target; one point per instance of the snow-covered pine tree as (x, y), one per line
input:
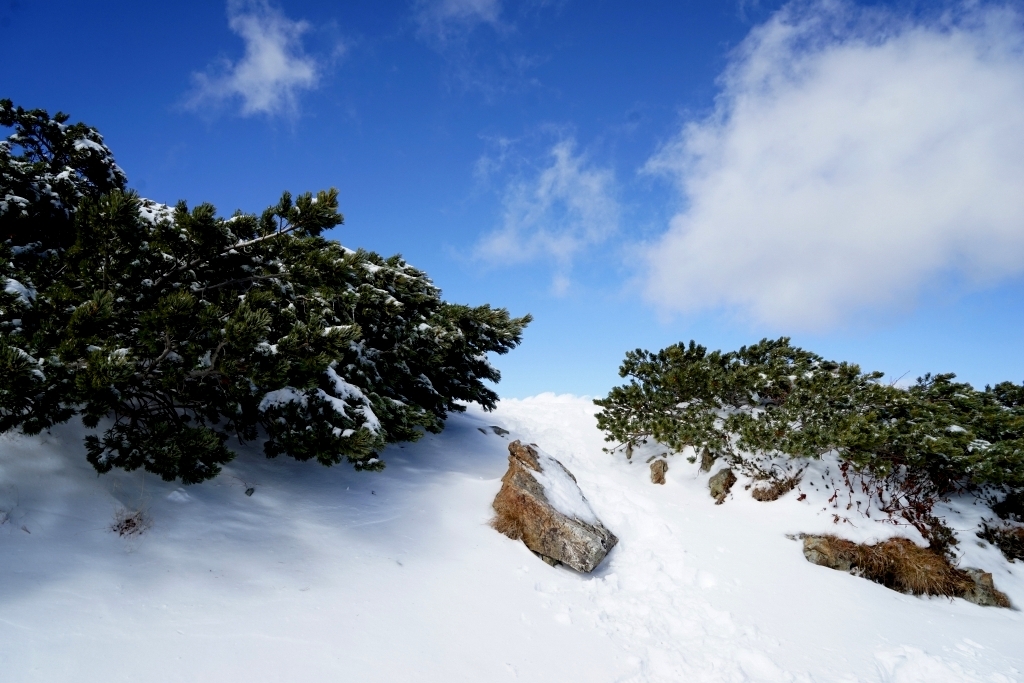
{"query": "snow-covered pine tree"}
(772, 403)
(174, 330)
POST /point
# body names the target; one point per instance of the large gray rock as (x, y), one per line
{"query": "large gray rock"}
(541, 504)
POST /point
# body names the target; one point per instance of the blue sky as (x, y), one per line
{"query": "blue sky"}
(632, 174)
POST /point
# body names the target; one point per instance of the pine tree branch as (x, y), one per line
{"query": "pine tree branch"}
(212, 369)
(237, 245)
(254, 278)
(168, 347)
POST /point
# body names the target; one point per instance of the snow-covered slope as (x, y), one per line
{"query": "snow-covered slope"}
(333, 575)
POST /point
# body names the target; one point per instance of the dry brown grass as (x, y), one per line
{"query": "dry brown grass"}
(898, 564)
(130, 523)
(508, 525)
(511, 512)
(777, 489)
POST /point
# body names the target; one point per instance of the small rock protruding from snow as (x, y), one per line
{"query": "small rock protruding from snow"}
(817, 551)
(707, 460)
(541, 504)
(720, 485)
(658, 469)
(984, 592)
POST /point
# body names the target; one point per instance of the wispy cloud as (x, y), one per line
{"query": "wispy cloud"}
(272, 72)
(568, 206)
(442, 20)
(853, 159)
(483, 43)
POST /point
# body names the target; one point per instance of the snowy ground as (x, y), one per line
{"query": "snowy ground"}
(333, 575)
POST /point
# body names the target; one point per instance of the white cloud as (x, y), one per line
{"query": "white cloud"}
(442, 19)
(567, 207)
(852, 160)
(273, 70)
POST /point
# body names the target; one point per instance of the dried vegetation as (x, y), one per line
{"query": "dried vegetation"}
(777, 488)
(903, 566)
(1008, 533)
(508, 523)
(130, 523)
(1007, 537)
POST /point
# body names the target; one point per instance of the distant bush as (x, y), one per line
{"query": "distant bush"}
(773, 402)
(186, 329)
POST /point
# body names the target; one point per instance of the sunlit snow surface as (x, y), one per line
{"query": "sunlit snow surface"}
(561, 491)
(334, 575)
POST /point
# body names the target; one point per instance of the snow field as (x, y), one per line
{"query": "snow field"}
(333, 575)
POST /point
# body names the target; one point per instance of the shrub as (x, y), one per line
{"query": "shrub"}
(186, 329)
(1007, 534)
(1009, 538)
(768, 406)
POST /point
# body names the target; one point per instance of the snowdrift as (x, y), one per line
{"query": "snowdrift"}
(333, 575)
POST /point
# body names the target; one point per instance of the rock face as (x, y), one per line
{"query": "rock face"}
(658, 469)
(541, 504)
(720, 485)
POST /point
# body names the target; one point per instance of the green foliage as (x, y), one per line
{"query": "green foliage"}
(772, 400)
(46, 167)
(178, 330)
